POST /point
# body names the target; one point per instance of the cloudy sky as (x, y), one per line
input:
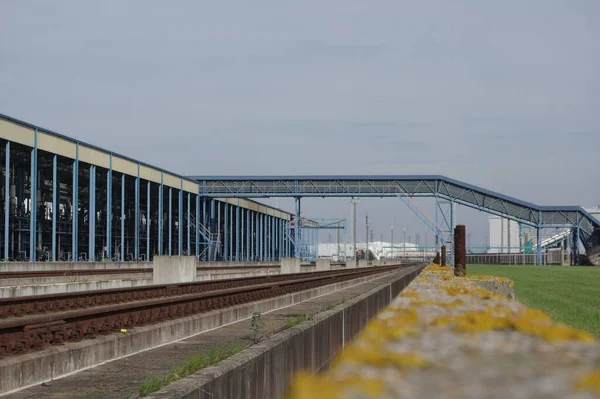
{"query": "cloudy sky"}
(500, 94)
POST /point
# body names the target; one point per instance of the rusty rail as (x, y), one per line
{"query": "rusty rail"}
(22, 334)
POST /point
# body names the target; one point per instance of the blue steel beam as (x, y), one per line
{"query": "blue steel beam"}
(122, 217)
(109, 210)
(197, 227)
(387, 186)
(75, 209)
(148, 191)
(136, 217)
(92, 215)
(160, 216)
(189, 247)
(180, 222)
(33, 195)
(54, 202)
(7, 201)
(170, 221)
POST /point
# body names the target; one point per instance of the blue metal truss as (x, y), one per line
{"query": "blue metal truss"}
(392, 186)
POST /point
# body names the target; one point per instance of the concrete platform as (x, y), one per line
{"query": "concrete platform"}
(52, 363)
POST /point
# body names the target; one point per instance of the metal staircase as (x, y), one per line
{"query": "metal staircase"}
(210, 241)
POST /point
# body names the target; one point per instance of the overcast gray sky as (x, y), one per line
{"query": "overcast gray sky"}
(501, 94)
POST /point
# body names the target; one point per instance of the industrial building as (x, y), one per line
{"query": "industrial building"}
(68, 200)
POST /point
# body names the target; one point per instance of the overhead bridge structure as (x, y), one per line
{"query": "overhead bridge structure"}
(445, 191)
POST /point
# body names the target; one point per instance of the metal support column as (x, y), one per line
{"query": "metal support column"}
(248, 235)
(136, 217)
(109, 210)
(197, 227)
(170, 221)
(452, 227)
(180, 221)
(7, 202)
(218, 250)
(539, 240)
(297, 230)
(226, 232)
(54, 202)
(122, 217)
(160, 216)
(437, 230)
(231, 233)
(92, 216)
(33, 195)
(242, 234)
(237, 233)
(189, 237)
(212, 250)
(148, 224)
(75, 209)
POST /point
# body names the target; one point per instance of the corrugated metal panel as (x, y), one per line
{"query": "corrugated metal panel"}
(57, 145)
(94, 157)
(16, 133)
(125, 166)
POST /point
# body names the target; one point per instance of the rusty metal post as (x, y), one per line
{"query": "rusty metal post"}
(460, 251)
(443, 256)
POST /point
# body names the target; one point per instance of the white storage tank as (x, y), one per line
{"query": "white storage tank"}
(505, 235)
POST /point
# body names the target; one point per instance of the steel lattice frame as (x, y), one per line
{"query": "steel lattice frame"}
(393, 186)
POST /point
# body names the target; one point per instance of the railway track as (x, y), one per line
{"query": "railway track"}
(29, 323)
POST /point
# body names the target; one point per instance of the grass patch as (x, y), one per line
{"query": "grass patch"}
(330, 306)
(190, 366)
(569, 294)
(289, 323)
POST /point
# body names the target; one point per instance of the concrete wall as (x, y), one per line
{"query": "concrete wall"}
(42, 266)
(323, 265)
(264, 370)
(290, 265)
(173, 269)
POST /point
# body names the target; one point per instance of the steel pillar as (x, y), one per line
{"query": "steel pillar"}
(92, 216)
(7, 202)
(231, 255)
(170, 221)
(148, 224)
(180, 222)
(33, 195)
(136, 217)
(54, 202)
(248, 235)
(218, 249)
(297, 230)
(75, 208)
(189, 238)
(109, 210)
(539, 240)
(237, 233)
(160, 215)
(198, 225)
(122, 217)
(226, 232)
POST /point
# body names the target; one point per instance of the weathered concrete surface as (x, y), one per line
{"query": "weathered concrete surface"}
(37, 266)
(445, 337)
(290, 265)
(37, 367)
(323, 265)
(22, 289)
(173, 269)
(263, 370)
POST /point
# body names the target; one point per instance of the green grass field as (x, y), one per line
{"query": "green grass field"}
(570, 295)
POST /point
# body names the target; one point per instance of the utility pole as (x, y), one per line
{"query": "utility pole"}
(392, 241)
(404, 245)
(367, 236)
(353, 203)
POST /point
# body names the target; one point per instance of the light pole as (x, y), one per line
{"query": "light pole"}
(404, 245)
(392, 241)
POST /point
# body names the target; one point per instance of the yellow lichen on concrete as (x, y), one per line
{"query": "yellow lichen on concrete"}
(589, 381)
(390, 348)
